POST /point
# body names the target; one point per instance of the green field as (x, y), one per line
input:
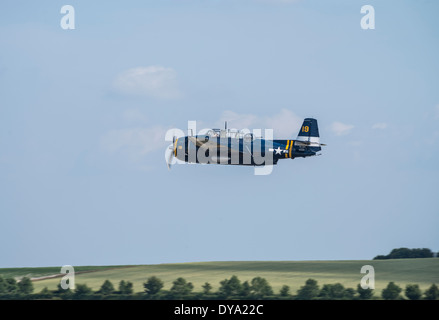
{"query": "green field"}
(423, 272)
(46, 271)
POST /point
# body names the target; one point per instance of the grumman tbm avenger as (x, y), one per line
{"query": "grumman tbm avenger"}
(234, 147)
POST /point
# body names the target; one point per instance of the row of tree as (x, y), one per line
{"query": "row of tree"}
(233, 288)
(406, 253)
(336, 291)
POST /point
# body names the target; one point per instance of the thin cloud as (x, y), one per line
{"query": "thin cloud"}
(380, 125)
(284, 124)
(135, 115)
(340, 129)
(238, 121)
(154, 81)
(134, 144)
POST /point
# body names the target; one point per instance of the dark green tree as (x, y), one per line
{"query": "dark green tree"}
(45, 293)
(125, 287)
(432, 293)
(349, 294)
(153, 286)
(309, 291)
(25, 286)
(284, 291)
(61, 291)
(2, 285)
(106, 288)
(364, 294)
(245, 289)
(413, 292)
(391, 292)
(180, 287)
(206, 288)
(260, 288)
(406, 253)
(401, 253)
(333, 292)
(82, 291)
(11, 285)
(230, 287)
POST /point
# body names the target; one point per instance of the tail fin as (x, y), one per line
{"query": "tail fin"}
(309, 133)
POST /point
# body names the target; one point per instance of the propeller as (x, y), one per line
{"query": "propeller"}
(169, 154)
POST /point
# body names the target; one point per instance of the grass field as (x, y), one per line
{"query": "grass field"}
(423, 272)
(47, 271)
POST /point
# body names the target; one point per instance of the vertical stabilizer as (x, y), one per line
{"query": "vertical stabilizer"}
(309, 133)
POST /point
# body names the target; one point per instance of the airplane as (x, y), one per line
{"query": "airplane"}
(234, 147)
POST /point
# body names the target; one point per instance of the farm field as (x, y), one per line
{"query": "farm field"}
(423, 272)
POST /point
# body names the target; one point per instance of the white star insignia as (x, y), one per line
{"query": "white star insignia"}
(278, 150)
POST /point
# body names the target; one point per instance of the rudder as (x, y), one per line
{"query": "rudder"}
(309, 133)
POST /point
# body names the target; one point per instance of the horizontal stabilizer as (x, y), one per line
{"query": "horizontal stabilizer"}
(307, 143)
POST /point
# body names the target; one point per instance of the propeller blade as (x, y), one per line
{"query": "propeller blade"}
(169, 156)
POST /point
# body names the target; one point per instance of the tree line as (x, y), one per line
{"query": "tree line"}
(406, 253)
(258, 288)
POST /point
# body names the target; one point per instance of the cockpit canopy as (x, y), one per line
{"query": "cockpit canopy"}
(231, 133)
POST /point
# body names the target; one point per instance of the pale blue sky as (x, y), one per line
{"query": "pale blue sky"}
(83, 115)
